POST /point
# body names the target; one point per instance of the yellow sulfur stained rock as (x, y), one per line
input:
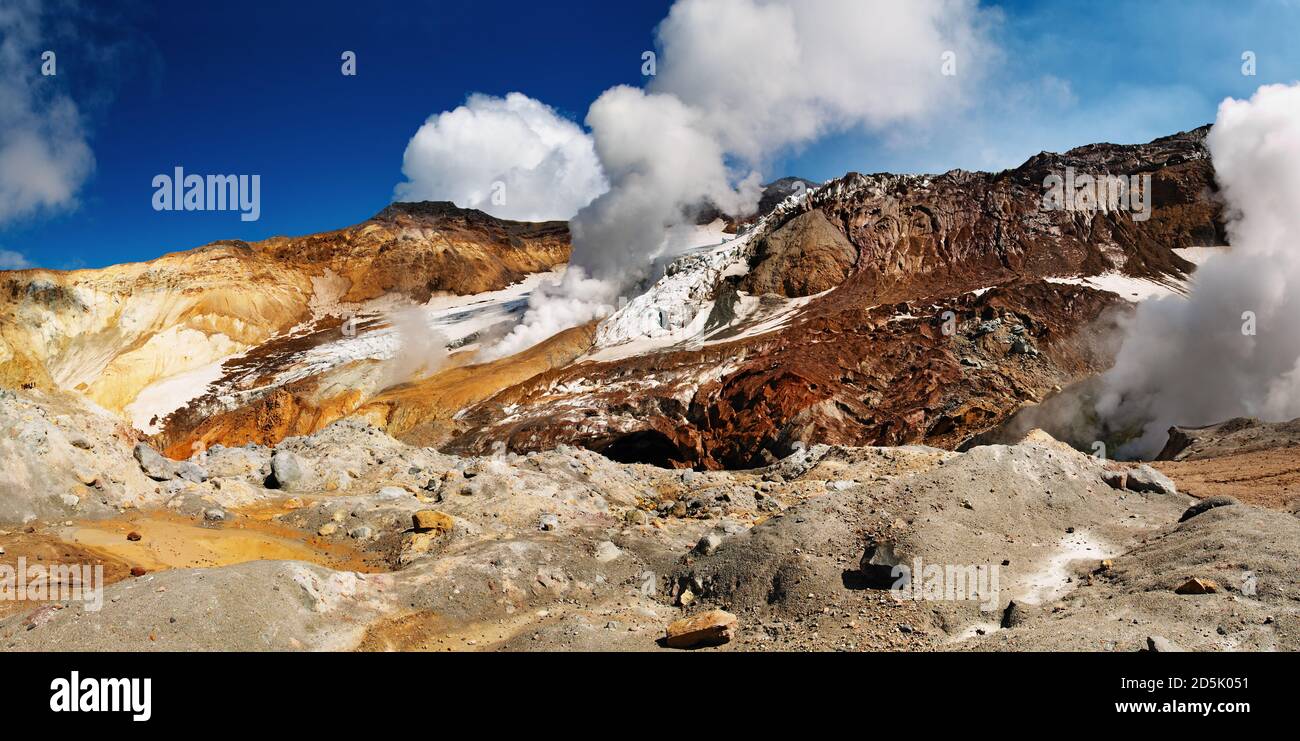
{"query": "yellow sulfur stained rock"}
(427, 520)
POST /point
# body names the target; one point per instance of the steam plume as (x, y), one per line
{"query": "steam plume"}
(1195, 361)
(421, 349)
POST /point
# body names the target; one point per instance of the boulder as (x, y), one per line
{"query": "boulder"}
(712, 628)
(154, 465)
(286, 471)
(192, 472)
(1144, 478)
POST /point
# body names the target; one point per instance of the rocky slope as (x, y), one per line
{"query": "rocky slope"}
(348, 539)
(146, 339)
(875, 309)
(878, 309)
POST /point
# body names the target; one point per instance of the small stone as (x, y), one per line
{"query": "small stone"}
(1017, 613)
(327, 529)
(636, 517)
(389, 493)
(649, 585)
(1197, 586)
(687, 598)
(712, 628)
(548, 522)
(1115, 479)
(138, 571)
(607, 551)
(1106, 565)
(417, 544)
(904, 628)
(133, 536)
(214, 515)
(1160, 644)
(361, 532)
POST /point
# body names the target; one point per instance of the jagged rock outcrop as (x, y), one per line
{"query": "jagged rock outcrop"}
(966, 301)
(807, 255)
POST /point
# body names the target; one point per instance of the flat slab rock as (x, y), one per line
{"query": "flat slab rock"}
(712, 628)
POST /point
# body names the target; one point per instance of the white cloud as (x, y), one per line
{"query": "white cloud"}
(10, 260)
(766, 74)
(546, 162)
(44, 156)
(739, 81)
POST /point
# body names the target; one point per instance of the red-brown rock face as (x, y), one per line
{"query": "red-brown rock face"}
(874, 357)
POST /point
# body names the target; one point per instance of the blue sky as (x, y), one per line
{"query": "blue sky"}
(255, 87)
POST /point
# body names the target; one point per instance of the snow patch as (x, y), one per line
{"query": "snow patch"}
(165, 396)
(1127, 287)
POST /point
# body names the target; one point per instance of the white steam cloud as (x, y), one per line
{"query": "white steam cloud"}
(1195, 361)
(513, 157)
(421, 349)
(44, 157)
(738, 82)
